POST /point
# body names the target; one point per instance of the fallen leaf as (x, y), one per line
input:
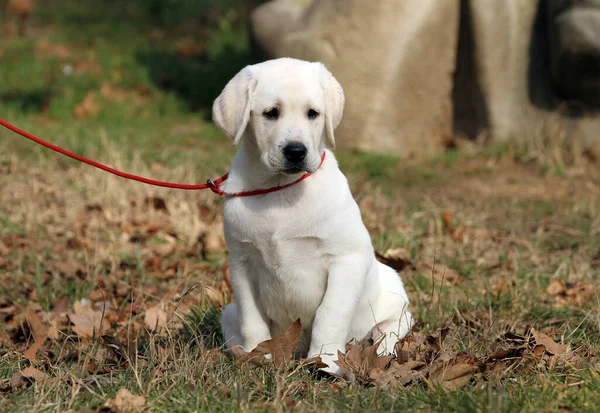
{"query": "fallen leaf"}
(155, 318)
(163, 249)
(447, 220)
(570, 293)
(279, 350)
(4, 250)
(5, 340)
(440, 272)
(120, 350)
(45, 48)
(109, 92)
(451, 377)
(551, 346)
(87, 321)
(98, 295)
(33, 373)
(88, 108)
(88, 67)
(126, 402)
(397, 258)
(38, 329)
(61, 304)
(402, 374)
(31, 352)
(215, 297)
(39, 332)
(556, 287)
(188, 47)
(70, 268)
(212, 242)
(362, 364)
(153, 264)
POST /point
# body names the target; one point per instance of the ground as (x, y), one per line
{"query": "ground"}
(110, 290)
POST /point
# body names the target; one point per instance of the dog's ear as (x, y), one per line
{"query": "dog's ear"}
(334, 103)
(231, 110)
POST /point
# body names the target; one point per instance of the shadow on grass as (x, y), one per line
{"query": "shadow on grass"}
(203, 327)
(33, 101)
(197, 81)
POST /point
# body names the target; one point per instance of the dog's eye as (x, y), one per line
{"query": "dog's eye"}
(271, 114)
(313, 114)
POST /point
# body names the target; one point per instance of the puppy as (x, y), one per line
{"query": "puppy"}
(302, 252)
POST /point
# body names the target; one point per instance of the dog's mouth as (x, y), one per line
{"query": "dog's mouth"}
(293, 170)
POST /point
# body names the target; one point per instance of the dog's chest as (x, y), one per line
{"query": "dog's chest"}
(286, 256)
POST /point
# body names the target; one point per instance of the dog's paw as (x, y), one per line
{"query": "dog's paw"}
(332, 367)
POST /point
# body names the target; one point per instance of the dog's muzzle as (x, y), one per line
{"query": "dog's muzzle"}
(295, 154)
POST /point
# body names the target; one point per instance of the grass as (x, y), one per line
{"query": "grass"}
(508, 220)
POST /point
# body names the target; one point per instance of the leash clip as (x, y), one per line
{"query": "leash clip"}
(214, 187)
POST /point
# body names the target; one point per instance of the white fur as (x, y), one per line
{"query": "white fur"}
(302, 252)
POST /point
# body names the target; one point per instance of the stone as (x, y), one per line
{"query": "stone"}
(574, 49)
(416, 72)
(506, 62)
(395, 60)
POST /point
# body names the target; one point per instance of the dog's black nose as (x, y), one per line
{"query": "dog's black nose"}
(295, 152)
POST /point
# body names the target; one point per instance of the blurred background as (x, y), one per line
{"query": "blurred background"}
(419, 76)
(470, 143)
(174, 55)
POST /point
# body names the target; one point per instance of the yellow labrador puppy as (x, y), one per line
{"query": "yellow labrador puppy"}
(302, 252)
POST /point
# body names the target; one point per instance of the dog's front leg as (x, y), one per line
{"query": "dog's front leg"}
(334, 316)
(254, 324)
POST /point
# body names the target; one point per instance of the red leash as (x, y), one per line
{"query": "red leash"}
(214, 186)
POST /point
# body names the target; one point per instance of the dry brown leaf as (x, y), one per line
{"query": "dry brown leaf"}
(440, 273)
(397, 258)
(279, 350)
(126, 402)
(98, 295)
(5, 340)
(163, 250)
(189, 47)
(155, 318)
(168, 274)
(88, 67)
(503, 286)
(566, 293)
(38, 329)
(121, 350)
(153, 264)
(45, 48)
(401, 374)
(70, 268)
(31, 352)
(88, 108)
(451, 377)
(362, 364)
(61, 304)
(39, 332)
(87, 321)
(33, 373)
(214, 296)
(213, 242)
(4, 250)
(109, 92)
(550, 345)
(556, 287)
(21, 7)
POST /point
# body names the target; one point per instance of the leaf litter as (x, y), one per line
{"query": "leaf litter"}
(422, 359)
(121, 311)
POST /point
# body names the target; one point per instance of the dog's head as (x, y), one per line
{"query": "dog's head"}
(288, 107)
